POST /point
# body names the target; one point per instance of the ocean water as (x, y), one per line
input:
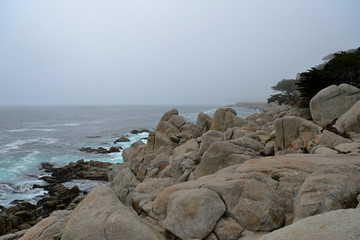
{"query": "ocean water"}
(32, 135)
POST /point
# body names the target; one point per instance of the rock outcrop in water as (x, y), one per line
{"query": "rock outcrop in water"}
(274, 175)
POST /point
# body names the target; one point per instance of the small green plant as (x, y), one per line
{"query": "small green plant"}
(276, 177)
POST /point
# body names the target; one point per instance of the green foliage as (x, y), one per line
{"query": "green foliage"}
(287, 87)
(344, 67)
(276, 177)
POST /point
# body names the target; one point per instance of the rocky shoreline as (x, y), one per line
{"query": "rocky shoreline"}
(25, 215)
(285, 173)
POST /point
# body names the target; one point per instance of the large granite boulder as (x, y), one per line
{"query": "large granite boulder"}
(349, 122)
(332, 102)
(225, 118)
(294, 133)
(169, 114)
(192, 214)
(123, 183)
(204, 122)
(220, 155)
(145, 193)
(328, 188)
(256, 210)
(302, 136)
(209, 138)
(101, 215)
(177, 121)
(131, 151)
(333, 225)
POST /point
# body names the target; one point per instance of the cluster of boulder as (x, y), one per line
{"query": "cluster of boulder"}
(285, 173)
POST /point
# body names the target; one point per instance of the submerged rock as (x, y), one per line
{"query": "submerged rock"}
(122, 139)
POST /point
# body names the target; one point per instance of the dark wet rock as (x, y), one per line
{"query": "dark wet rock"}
(139, 131)
(122, 139)
(114, 149)
(60, 198)
(93, 150)
(93, 136)
(49, 179)
(17, 217)
(25, 215)
(92, 170)
(47, 167)
(100, 150)
(24, 226)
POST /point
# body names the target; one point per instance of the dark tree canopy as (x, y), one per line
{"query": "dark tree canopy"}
(344, 67)
(287, 87)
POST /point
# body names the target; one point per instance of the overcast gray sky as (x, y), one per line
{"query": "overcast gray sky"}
(164, 51)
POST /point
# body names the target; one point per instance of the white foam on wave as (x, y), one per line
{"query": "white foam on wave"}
(21, 190)
(65, 125)
(31, 129)
(72, 124)
(18, 143)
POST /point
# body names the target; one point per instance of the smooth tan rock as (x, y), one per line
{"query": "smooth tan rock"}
(48, 227)
(221, 155)
(328, 188)
(102, 216)
(204, 122)
(323, 150)
(148, 190)
(169, 114)
(232, 120)
(330, 139)
(130, 152)
(123, 181)
(332, 102)
(253, 203)
(333, 225)
(192, 214)
(219, 119)
(177, 121)
(174, 169)
(162, 200)
(349, 122)
(347, 147)
(250, 143)
(208, 138)
(225, 118)
(294, 133)
(235, 132)
(228, 229)
(187, 147)
(165, 135)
